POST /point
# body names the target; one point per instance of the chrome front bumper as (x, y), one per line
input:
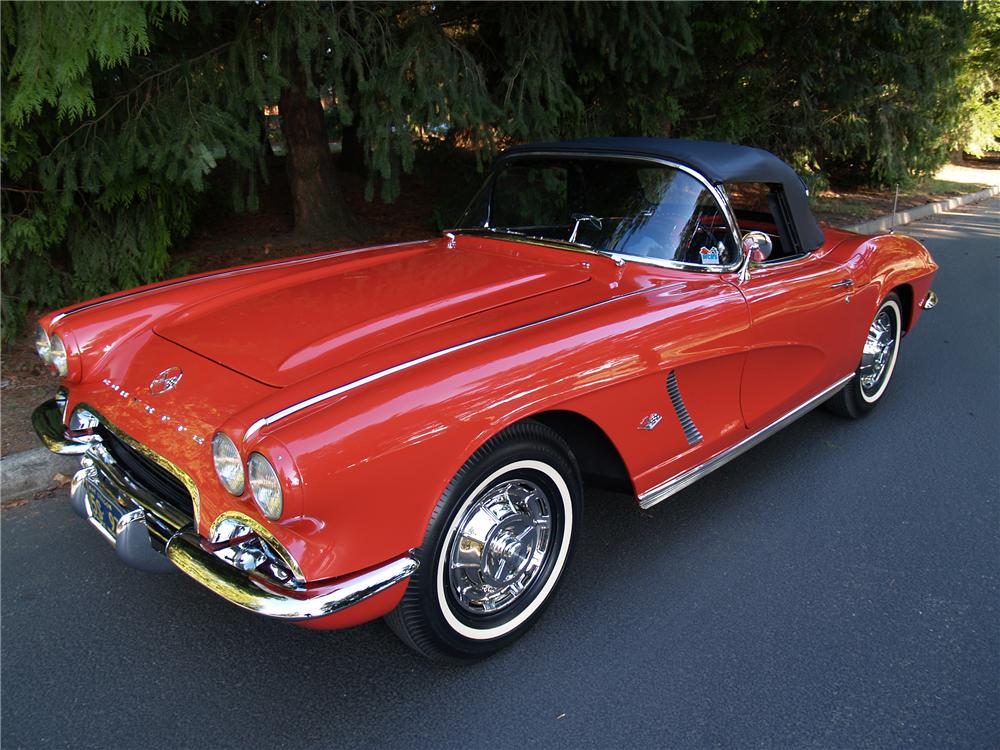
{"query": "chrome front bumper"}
(209, 563)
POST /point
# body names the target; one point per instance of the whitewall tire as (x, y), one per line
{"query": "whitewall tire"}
(496, 547)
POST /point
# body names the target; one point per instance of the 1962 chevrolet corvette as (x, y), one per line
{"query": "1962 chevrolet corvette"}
(406, 430)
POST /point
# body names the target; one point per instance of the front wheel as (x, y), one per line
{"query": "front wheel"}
(878, 360)
(496, 546)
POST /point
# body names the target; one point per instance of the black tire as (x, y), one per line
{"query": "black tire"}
(432, 618)
(856, 399)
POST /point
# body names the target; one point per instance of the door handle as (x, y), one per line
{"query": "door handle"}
(846, 283)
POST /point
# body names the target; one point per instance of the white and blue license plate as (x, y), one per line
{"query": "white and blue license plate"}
(104, 512)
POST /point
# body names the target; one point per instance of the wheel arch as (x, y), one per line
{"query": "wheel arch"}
(601, 464)
(906, 301)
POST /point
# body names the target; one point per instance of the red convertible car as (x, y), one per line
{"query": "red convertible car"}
(406, 430)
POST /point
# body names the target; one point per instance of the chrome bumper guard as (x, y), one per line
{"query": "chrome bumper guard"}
(101, 481)
(930, 301)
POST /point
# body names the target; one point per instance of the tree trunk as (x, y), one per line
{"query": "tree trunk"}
(320, 210)
(352, 155)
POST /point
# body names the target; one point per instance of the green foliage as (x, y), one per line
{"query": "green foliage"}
(109, 131)
(63, 40)
(863, 92)
(979, 121)
(116, 113)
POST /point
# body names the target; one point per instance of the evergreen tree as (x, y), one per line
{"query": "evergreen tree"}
(861, 92)
(115, 114)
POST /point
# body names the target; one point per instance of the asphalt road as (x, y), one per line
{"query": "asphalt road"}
(835, 587)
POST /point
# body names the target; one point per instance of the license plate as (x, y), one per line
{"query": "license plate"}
(104, 512)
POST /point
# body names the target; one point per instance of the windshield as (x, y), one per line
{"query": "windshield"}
(627, 207)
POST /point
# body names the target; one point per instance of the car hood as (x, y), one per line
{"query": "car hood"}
(296, 321)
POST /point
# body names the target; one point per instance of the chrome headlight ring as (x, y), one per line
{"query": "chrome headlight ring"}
(228, 464)
(58, 356)
(43, 345)
(265, 486)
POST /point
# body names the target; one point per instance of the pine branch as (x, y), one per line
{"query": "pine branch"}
(128, 94)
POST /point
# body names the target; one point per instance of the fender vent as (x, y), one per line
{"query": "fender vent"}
(687, 424)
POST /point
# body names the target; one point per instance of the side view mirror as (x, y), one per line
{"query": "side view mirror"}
(758, 246)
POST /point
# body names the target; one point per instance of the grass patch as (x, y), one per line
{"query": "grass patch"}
(855, 206)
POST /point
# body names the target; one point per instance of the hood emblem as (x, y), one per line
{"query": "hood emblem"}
(166, 380)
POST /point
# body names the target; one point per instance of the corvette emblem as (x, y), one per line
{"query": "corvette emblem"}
(166, 380)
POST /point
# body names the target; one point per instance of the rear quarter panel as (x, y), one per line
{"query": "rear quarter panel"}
(883, 263)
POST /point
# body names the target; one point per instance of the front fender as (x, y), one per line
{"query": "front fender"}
(373, 462)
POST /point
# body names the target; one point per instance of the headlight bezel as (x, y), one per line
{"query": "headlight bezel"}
(44, 350)
(58, 355)
(264, 478)
(221, 441)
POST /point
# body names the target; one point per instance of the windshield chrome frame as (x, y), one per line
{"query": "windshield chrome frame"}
(720, 197)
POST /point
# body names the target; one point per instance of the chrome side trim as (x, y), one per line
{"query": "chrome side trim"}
(691, 431)
(225, 273)
(677, 483)
(294, 408)
(185, 551)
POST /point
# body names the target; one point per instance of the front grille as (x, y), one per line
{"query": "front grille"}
(147, 473)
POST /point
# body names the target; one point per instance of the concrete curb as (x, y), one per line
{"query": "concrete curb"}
(23, 474)
(885, 223)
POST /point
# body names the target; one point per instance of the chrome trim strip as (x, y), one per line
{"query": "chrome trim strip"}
(117, 484)
(129, 518)
(294, 408)
(185, 551)
(677, 483)
(691, 431)
(47, 420)
(264, 533)
(721, 198)
(153, 456)
(234, 272)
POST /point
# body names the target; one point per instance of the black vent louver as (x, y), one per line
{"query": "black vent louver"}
(687, 424)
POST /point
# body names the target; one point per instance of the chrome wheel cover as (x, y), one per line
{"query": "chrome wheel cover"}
(500, 546)
(878, 351)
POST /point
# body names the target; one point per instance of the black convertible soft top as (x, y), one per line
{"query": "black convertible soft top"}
(718, 162)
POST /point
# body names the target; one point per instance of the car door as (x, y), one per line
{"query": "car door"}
(803, 335)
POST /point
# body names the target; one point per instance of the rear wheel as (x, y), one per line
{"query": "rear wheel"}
(495, 549)
(878, 360)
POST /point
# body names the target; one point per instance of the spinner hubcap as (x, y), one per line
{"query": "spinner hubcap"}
(878, 351)
(500, 546)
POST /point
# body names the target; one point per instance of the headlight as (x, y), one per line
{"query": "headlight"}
(57, 355)
(228, 464)
(42, 344)
(266, 486)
